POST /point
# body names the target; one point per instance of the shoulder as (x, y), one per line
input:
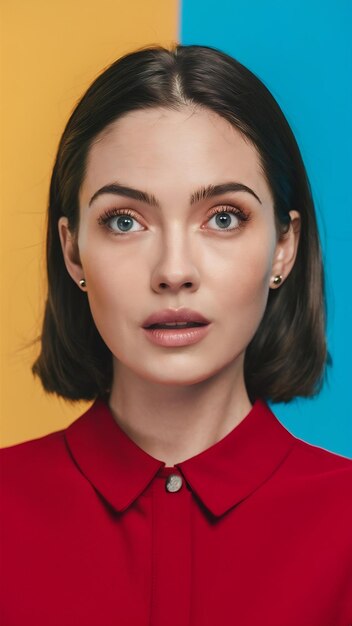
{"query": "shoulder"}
(314, 458)
(43, 468)
(321, 474)
(309, 462)
(25, 466)
(33, 451)
(34, 466)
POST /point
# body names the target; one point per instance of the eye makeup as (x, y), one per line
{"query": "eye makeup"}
(108, 216)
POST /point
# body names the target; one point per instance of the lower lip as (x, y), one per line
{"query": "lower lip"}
(175, 337)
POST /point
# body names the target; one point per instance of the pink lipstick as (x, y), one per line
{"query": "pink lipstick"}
(176, 327)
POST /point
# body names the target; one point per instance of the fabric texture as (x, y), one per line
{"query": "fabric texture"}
(256, 529)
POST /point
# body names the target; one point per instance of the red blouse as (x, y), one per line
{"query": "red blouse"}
(255, 530)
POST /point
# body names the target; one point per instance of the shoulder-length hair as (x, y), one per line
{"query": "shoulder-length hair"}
(288, 353)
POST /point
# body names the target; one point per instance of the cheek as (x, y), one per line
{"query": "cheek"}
(245, 274)
(107, 264)
(114, 290)
(242, 292)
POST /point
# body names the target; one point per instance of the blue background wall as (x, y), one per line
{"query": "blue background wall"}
(301, 50)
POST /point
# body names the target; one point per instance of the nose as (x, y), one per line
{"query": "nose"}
(175, 268)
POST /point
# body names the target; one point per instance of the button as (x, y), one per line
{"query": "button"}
(173, 483)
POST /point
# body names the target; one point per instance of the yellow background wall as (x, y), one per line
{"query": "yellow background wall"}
(50, 52)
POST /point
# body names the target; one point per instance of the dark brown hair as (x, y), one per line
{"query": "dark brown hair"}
(287, 356)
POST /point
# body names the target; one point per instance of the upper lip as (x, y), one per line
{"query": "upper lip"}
(174, 315)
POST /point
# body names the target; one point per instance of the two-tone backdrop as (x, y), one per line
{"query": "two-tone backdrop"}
(52, 51)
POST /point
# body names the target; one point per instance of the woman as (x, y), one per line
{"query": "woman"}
(185, 291)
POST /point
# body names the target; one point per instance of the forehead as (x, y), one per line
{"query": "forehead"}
(161, 150)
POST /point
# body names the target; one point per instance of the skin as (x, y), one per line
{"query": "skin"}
(176, 402)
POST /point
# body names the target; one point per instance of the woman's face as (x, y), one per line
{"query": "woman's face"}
(179, 253)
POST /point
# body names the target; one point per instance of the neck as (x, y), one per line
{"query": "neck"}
(173, 423)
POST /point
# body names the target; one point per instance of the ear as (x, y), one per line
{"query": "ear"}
(286, 249)
(70, 251)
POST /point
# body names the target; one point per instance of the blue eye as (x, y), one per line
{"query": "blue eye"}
(119, 221)
(223, 218)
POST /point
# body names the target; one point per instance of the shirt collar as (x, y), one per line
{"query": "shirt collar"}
(221, 476)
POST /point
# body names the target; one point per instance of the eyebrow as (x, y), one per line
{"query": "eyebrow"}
(203, 193)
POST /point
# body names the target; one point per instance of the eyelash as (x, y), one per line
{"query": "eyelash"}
(242, 217)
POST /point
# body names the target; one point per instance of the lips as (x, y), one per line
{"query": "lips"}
(172, 316)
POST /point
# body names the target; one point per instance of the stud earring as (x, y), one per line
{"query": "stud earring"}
(277, 279)
(82, 283)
